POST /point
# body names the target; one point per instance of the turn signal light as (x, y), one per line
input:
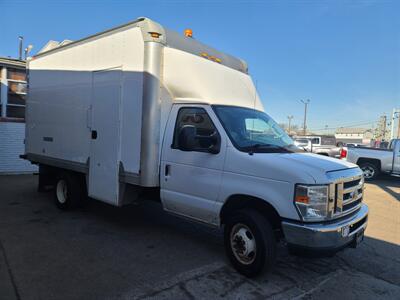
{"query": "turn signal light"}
(302, 199)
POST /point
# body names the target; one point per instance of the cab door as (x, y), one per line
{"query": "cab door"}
(190, 180)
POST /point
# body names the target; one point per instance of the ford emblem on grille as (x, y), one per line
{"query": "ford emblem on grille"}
(354, 195)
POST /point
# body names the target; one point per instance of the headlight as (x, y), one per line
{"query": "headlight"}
(312, 202)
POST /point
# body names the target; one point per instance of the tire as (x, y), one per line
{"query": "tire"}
(323, 154)
(370, 170)
(248, 231)
(69, 192)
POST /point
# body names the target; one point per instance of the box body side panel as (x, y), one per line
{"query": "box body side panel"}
(60, 95)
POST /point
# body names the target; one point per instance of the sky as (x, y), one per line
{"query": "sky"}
(342, 55)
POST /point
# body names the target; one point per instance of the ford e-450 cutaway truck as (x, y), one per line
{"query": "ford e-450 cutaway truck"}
(139, 108)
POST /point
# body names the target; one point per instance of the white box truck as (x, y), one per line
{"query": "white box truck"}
(141, 108)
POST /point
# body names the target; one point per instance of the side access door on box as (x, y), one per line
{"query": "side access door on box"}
(103, 183)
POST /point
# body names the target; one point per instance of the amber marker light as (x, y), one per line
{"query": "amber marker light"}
(155, 34)
(188, 33)
(302, 199)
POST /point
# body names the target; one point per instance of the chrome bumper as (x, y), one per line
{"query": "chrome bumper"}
(329, 236)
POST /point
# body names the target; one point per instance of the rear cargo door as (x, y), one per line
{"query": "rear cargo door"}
(105, 136)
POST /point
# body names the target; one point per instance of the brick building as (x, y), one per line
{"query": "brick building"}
(12, 117)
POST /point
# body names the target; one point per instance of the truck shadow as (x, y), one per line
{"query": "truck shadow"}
(293, 275)
(389, 184)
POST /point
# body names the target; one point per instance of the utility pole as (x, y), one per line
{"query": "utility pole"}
(395, 132)
(290, 120)
(384, 127)
(398, 122)
(305, 115)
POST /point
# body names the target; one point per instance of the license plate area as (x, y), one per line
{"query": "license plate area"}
(358, 239)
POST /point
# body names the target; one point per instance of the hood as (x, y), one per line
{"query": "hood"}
(319, 162)
(305, 168)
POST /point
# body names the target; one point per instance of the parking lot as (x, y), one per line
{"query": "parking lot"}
(140, 252)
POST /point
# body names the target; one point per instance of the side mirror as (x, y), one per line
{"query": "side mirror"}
(188, 140)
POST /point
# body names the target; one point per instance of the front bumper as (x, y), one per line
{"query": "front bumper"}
(326, 236)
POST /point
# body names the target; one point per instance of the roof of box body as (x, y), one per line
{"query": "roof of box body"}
(169, 38)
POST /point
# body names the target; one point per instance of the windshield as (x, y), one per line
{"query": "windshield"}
(253, 131)
(327, 140)
(301, 141)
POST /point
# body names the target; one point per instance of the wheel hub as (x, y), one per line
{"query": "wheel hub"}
(62, 191)
(368, 172)
(243, 244)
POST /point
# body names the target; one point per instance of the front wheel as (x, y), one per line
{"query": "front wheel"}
(249, 242)
(370, 171)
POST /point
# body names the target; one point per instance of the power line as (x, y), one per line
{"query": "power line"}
(354, 125)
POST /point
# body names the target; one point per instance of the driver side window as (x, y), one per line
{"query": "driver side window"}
(315, 141)
(198, 118)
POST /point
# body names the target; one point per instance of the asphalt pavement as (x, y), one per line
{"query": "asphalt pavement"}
(141, 252)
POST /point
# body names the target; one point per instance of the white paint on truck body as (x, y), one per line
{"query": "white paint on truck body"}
(62, 97)
(191, 78)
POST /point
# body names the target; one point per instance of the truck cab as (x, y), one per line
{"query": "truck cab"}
(235, 167)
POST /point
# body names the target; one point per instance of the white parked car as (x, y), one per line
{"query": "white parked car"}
(323, 145)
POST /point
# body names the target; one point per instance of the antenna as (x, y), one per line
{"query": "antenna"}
(254, 105)
(255, 94)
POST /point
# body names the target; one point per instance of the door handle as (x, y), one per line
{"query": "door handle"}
(94, 134)
(167, 170)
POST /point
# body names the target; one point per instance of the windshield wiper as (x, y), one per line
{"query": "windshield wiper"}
(253, 148)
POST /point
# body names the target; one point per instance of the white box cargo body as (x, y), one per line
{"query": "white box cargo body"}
(99, 105)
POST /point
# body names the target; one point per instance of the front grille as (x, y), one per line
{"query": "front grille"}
(346, 195)
(350, 184)
(351, 205)
(357, 225)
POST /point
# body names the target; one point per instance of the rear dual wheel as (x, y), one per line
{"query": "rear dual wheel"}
(70, 190)
(249, 242)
